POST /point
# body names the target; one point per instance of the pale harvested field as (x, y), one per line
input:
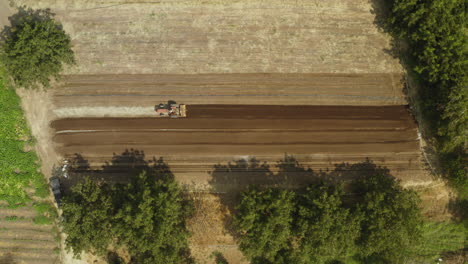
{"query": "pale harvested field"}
(219, 36)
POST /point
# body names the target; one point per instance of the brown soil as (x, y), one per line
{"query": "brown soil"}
(435, 198)
(318, 136)
(265, 89)
(27, 234)
(20, 212)
(22, 241)
(25, 225)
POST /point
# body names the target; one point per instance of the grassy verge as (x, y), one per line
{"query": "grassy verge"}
(19, 167)
(439, 238)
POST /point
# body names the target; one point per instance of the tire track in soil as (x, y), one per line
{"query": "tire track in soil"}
(246, 88)
(210, 134)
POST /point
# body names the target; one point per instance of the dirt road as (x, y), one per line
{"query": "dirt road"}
(318, 136)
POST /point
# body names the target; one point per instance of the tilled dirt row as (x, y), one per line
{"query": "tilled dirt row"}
(22, 241)
(246, 89)
(318, 136)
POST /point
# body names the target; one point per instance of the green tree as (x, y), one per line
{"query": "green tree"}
(391, 223)
(87, 218)
(145, 217)
(264, 221)
(150, 220)
(325, 230)
(436, 34)
(35, 48)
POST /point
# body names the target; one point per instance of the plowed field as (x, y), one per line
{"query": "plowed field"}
(81, 91)
(318, 136)
(22, 241)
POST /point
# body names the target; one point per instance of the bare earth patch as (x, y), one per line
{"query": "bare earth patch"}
(37, 106)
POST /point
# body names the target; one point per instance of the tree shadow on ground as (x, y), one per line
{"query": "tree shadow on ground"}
(219, 258)
(23, 14)
(120, 169)
(398, 49)
(459, 209)
(114, 258)
(228, 181)
(382, 9)
(7, 259)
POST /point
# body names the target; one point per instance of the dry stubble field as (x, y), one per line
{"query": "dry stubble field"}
(218, 36)
(206, 54)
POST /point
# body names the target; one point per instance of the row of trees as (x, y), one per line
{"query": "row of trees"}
(147, 217)
(436, 34)
(376, 221)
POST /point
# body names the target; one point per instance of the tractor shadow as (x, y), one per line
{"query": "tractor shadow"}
(229, 181)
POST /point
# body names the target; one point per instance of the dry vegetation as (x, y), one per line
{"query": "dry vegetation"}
(195, 36)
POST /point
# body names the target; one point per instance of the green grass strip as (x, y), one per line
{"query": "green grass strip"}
(18, 168)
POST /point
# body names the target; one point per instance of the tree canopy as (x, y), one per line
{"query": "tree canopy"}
(35, 48)
(380, 223)
(86, 218)
(146, 216)
(264, 221)
(325, 230)
(391, 219)
(435, 32)
(150, 221)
